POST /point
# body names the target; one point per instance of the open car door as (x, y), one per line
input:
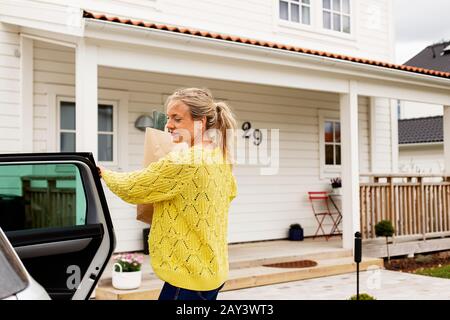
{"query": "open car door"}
(54, 213)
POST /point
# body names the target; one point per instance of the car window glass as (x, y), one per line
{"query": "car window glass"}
(34, 196)
(12, 276)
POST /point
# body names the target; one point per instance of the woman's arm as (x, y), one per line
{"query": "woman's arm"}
(160, 181)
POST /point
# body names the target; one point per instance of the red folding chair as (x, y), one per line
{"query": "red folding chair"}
(321, 210)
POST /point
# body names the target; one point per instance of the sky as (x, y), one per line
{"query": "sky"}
(418, 24)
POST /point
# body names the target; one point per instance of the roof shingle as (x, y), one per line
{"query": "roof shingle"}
(420, 130)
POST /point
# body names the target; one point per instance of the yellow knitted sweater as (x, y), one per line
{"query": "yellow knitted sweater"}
(191, 191)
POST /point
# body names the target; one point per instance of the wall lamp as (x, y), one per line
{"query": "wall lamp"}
(157, 121)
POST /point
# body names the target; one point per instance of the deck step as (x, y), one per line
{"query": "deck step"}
(245, 277)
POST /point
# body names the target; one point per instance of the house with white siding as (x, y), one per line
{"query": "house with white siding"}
(420, 125)
(75, 76)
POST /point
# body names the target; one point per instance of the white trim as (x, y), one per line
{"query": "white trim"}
(394, 136)
(207, 54)
(26, 93)
(60, 99)
(115, 132)
(86, 95)
(350, 164)
(48, 40)
(327, 171)
(373, 133)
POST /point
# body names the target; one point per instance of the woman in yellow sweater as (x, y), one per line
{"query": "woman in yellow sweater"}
(191, 191)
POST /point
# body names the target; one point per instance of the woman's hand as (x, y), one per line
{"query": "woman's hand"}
(99, 168)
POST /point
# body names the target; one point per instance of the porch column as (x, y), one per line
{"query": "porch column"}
(86, 98)
(446, 140)
(350, 164)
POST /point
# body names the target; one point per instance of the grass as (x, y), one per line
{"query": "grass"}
(439, 272)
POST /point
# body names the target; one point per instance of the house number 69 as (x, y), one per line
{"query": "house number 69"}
(257, 134)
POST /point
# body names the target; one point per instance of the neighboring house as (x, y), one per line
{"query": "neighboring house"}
(420, 125)
(311, 69)
(435, 57)
(421, 145)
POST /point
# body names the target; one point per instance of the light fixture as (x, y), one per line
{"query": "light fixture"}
(158, 121)
(144, 121)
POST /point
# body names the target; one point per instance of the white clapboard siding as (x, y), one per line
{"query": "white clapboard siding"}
(10, 121)
(372, 21)
(270, 203)
(421, 158)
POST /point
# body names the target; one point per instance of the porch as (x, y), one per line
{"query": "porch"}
(251, 265)
(418, 205)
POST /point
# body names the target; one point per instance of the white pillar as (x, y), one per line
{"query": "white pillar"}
(394, 135)
(86, 98)
(350, 164)
(447, 140)
(26, 93)
(373, 135)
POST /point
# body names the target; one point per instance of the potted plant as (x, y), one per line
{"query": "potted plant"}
(296, 232)
(127, 273)
(362, 296)
(336, 184)
(384, 228)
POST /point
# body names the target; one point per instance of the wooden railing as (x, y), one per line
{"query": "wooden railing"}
(416, 204)
(49, 206)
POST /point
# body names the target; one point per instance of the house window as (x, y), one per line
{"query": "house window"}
(67, 140)
(332, 143)
(107, 136)
(105, 132)
(298, 11)
(336, 15)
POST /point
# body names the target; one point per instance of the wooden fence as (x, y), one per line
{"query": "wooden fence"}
(416, 204)
(49, 206)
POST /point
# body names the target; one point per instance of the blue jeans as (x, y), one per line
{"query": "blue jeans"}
(169, 292)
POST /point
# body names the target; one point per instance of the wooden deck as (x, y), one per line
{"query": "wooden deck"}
(406, 246)
(247, 267)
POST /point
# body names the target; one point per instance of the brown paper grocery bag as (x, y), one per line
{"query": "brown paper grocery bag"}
(157, 145)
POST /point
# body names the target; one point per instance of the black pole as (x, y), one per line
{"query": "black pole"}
(357, 256)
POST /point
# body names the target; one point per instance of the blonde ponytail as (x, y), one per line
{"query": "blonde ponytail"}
(218, 115)
(226, 124)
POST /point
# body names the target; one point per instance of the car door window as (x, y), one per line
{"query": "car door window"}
(35, 196)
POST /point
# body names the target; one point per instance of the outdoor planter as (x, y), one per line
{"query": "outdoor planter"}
(127, 271)
(126, 280)
(296, 233)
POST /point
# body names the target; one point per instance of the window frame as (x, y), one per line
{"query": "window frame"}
(341, 13)
(301, 5)
(113, 103)
(327, 171)
(60, 99)
(315, 31)
(115, 132)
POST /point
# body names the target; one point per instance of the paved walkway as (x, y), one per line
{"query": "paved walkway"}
(382, 284)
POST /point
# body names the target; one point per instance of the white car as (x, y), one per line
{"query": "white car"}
(56, 233)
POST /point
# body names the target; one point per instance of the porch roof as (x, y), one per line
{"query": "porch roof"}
(262, 43)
